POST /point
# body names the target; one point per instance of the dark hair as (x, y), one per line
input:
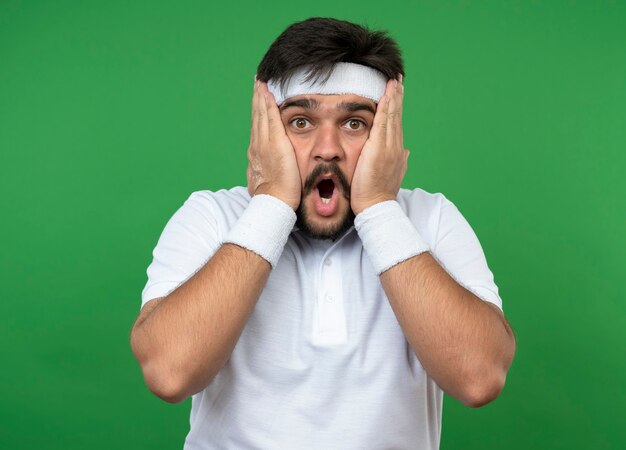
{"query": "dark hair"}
(319, 43)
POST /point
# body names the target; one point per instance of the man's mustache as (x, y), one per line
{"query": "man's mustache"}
(325, 168)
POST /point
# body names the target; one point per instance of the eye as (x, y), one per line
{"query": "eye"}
(355, 124)
(300, 123)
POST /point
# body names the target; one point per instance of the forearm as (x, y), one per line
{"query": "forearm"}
(187, 338)
(463, 342)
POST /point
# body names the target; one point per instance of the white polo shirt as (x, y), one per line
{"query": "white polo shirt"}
(322, 362)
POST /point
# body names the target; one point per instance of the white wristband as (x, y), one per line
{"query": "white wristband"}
(264, 227)
(388, 235)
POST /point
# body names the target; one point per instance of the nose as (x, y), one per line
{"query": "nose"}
(327, 145)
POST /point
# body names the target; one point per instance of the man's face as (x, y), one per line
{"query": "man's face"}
(327, 133)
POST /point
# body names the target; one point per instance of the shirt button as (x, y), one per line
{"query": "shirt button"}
(328, 261)
(329, 298)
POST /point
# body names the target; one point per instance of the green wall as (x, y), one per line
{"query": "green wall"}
(112, 113)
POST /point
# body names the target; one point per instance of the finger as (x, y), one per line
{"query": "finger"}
(263, 124)
(394, 128)
(400, 95)
(254, 126)
(275, 122)
(379, 125)
(255, 107)
(395, 104)
(399, 132)
(394, 138)
(406, 161)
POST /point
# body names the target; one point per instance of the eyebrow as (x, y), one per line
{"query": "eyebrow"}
(306, 103)
(309, 103)
(356, 106)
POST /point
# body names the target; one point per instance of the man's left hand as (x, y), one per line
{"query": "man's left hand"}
(383, 160)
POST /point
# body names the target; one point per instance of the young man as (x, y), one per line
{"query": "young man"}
(323, 307)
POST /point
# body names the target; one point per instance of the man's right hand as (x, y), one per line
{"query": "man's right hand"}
(272, 166)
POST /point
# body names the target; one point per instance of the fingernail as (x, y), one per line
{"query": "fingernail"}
(401, 78)
(395, 83)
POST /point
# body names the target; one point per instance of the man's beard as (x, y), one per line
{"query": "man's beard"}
(304, 223)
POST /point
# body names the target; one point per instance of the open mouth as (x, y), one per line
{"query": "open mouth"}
(326, 195)
(326, 187)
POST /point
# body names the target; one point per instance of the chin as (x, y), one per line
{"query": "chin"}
(318, 227)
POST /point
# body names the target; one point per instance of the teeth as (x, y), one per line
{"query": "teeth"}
(325, 201)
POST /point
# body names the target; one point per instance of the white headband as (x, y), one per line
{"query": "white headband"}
(346, 78)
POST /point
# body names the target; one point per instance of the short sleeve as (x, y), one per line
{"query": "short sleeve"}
(459, 252)
(190, 238)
